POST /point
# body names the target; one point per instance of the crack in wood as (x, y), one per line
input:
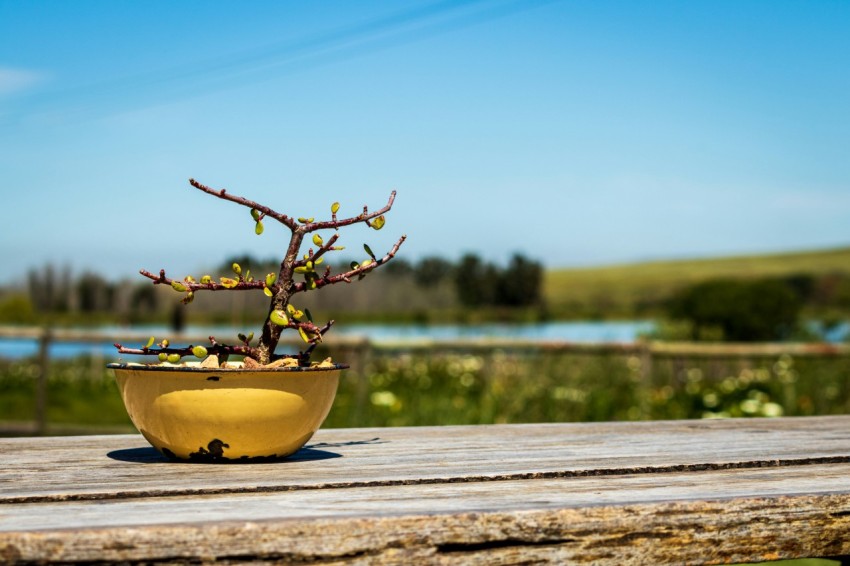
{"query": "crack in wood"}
(466, 547)
(595, 472)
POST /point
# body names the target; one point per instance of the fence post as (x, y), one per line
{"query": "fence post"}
(646, 377)
(41, 384)
(363, 357)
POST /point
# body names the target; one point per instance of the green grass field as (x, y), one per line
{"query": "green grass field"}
(635, 289)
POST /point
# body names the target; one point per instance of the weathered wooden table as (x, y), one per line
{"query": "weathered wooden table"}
(613, 493)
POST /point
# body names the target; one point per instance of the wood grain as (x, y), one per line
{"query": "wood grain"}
(124, 466)
(609, 493)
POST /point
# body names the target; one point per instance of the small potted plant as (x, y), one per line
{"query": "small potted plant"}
(197, 403)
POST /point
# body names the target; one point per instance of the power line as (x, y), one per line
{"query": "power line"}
(273, 60)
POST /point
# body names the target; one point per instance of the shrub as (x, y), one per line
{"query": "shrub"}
(744, 311)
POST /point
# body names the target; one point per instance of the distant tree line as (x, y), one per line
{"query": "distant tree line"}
(477, 283)
(56, 295)
(54, 291)
(431, 283)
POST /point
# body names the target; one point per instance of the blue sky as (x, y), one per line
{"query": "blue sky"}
(578, 133)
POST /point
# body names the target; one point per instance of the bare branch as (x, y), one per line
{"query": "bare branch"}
(305, 355)
(364, 217)
(307, 325)
(346, 276)
(241, 285)
(313, 256)
(214, 349)
(266, 211)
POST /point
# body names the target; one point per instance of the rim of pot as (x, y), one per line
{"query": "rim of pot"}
(198, 369)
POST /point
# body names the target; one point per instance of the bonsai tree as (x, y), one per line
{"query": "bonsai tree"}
(297, 274)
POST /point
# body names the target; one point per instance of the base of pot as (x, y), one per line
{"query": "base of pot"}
(226, 415)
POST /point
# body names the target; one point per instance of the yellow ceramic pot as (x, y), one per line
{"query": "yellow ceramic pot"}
(231, 414)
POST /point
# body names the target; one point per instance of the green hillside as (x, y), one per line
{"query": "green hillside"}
(639, 289)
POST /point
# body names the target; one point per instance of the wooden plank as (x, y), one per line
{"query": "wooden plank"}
(692, 517)
(414, 499)
(105, 467)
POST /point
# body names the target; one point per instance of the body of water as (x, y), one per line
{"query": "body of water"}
(610, 331)
(572, 331)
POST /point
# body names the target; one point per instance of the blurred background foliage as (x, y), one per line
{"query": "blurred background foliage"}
(752, 298)
(432, 387)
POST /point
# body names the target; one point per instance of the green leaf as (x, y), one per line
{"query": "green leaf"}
(241, 337)
(173, 358)
(303, 335)
(258, 229)
(229, 283)
(162, 356)
(369, 250)
(303, 220)
(279, 317)
(379, 222)
(199, 352)
(237, 269)
(270, 279)
(206, 279)
(255, 214)
(178, 286)
(308, 314)
(268, 292)
(354, 265)
(335, 208)
(150, 342)
(318, 240)
(250, 336)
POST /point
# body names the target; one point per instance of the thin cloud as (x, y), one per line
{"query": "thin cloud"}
(15, 81)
